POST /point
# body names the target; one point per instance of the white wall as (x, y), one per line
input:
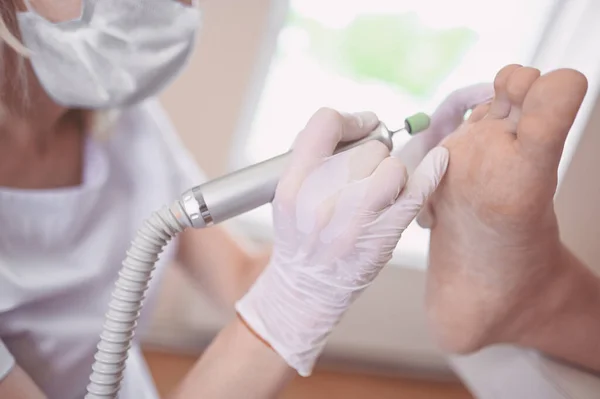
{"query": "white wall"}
(578, 197)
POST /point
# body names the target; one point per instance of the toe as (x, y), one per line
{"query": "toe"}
(518, 85)
(479, 112)
(548, 112)
(500, 107)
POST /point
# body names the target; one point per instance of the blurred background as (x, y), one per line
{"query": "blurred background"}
(262, 67)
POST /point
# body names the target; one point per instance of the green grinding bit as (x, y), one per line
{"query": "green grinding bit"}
(417, 123)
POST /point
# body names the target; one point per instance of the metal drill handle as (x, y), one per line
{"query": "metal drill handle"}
(249, 188)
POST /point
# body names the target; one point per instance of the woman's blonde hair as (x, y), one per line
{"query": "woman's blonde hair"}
(100, 122)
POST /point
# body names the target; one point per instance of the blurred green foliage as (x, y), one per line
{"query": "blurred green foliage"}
(392, 48)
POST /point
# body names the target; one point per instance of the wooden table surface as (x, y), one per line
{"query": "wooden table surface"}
(168, 369)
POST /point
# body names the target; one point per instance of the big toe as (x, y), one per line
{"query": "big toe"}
(549, 109)
(517, 87)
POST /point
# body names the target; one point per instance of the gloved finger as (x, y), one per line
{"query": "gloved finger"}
(334, 173)
(421, 184)
(328, 190)
(425, 218)
(446, 119)
(415, 150)
(384, 185)
(451, 112)
(365, 159)
(314, 144)
(326, 129)
(362, 202)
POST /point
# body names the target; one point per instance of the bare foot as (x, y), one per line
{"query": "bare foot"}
(495, 244)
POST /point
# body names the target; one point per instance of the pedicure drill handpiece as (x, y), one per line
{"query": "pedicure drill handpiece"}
(204, 205)
(249, 188)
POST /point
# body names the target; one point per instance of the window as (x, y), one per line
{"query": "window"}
(392, 57)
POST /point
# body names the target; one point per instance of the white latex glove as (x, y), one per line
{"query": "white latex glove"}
(444, 121)
(337, 220)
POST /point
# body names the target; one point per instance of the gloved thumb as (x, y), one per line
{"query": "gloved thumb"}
(420, 186)
(446, 119)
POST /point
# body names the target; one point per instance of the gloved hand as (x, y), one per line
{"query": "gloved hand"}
(445, 120)
(337, 220)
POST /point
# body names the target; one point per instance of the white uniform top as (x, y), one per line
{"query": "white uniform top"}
(61, 250)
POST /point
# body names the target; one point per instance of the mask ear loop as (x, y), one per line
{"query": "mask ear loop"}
(11, 40)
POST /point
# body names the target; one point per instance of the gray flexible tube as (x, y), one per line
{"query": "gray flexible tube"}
(228, 196)
(209, 203)
(127, 298)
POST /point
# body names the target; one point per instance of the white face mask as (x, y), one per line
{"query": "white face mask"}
(117, 53)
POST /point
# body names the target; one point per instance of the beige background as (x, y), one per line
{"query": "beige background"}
(206, 101)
